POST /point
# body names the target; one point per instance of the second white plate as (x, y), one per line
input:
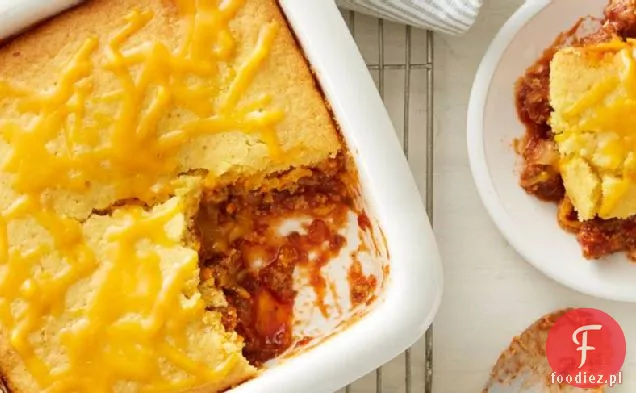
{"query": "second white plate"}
(528, 224)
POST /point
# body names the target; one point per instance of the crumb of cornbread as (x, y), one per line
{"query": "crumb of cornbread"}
(595, 129)
(582, 185)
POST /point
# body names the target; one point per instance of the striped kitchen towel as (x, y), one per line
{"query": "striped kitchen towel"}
(447, 16)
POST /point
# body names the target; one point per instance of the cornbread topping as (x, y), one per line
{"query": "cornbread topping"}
(593, 94)
(110, 102)
(118, 123)
(576, 103)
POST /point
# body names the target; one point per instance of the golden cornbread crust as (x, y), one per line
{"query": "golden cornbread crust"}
(130, 176)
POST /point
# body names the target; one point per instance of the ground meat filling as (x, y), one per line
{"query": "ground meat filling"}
(539, 175)
(244, 255)
(361, 285)
(621, 14)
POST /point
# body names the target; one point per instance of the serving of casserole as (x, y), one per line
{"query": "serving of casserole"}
(179, 210)
(577, 104)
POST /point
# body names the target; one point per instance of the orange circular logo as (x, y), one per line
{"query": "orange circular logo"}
(586, 348)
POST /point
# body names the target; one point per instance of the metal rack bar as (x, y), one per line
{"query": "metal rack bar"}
(378, 372)
(430, 162)
(408, 66)
(421, 66)
(408, 374)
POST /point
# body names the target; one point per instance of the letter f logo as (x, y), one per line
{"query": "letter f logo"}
(583, 344)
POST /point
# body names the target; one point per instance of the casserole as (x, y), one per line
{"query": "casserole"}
(405, 206)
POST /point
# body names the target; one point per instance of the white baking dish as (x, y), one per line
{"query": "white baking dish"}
(411, 291)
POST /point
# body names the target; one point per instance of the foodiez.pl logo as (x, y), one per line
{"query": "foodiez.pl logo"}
(586, 349)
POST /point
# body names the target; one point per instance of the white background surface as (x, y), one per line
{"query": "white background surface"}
(491, 293)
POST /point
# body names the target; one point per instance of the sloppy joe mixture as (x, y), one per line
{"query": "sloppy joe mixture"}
(243, 252)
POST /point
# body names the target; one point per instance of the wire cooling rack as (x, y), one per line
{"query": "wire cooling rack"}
(400, 58)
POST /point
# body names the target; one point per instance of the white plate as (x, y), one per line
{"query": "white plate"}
(412, 293)
(528, 224)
